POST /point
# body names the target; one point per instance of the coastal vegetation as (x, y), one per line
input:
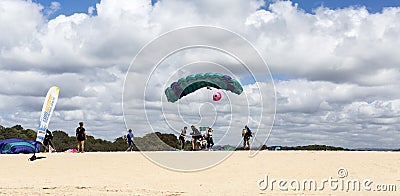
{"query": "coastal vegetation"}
(150, 142)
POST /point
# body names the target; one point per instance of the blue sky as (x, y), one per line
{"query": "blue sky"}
(69, 7)
(372, 6)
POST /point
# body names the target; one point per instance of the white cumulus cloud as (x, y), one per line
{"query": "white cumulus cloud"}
(340, 67)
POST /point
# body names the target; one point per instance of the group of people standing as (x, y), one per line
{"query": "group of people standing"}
(81, 137)
(204, 141)
(80, 134)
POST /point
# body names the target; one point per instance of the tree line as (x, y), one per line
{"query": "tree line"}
(150, 142)
(153, 141)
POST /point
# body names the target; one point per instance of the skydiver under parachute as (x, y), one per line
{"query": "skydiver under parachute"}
(189, 84)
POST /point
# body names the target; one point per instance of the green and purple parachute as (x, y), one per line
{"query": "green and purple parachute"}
(16, 146)
(191, 83)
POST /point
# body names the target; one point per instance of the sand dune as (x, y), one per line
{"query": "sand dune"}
(120, 173)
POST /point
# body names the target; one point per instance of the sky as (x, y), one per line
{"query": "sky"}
(335, 66)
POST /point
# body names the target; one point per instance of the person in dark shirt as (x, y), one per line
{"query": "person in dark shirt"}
(48, 141)
(196, 135)
(210, 141)
(81, 137)
(182, 137)
(246, 134)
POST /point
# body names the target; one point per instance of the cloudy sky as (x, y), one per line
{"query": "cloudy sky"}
(335, 65)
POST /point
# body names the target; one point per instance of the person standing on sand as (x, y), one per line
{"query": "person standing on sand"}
(203, 143)
(129, 138)
(196, 135)
(48, 141)
(182, 137)
(210, 141)
(81, 137)
(246, 134)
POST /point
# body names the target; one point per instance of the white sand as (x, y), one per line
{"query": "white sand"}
(120, 173)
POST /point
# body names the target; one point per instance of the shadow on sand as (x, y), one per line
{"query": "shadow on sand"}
(34, 158)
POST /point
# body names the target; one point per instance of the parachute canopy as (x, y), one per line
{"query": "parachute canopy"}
(191, 83)
(16, 146)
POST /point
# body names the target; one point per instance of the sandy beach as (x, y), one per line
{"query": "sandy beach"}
(120, 173)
